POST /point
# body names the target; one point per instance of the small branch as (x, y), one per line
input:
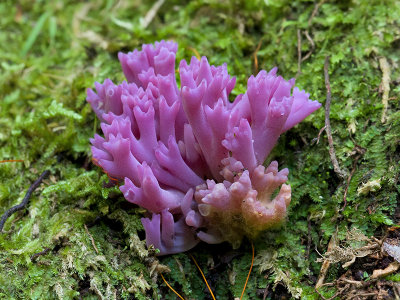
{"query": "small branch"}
(308, 238)
(151, 13)
(312, 45)
(359, 152)
(332, 153)
(330, 298)
(25, 201)
(319, 134)
(326, 263)
(265, 294)
(307, 34)
(348, 183)
(298, 52)
(36, 255)
(385, 84)
(315, 11)
(91, 238)
(393, 267)
(11, 160)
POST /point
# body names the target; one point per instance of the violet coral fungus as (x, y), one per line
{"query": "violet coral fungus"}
(190, 156)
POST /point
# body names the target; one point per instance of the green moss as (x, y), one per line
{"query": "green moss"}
(51, 51)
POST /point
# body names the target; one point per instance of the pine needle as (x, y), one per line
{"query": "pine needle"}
(202, 274)
(171, 287)
(196, 53)
(11, 160)
(248, 275)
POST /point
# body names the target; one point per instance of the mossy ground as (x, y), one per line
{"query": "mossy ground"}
(51, 51)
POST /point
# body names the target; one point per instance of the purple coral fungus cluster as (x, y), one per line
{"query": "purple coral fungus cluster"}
(187, 154)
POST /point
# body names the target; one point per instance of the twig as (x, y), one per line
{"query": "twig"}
(348, 182)
(326, 263)
(308, 238)
(393, 267)
(298, 52)
(24, 202)
(363, 295)
(315, 11)
(91, 238)
(353, 282)
(36, 255)
(11, 160)
(265, 294)
(312, 46)
(151, 13)
(385, 84)
(330, 298)
(94, 222)
(319, 134)
(332, 154)
(307, 34)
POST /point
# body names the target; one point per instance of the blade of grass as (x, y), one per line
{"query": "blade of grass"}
(52, 30)
(34, 33)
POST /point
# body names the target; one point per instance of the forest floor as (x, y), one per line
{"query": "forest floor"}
(76, 238)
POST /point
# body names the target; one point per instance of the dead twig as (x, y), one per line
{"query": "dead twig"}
(348, 183)
(326, 263)
(91, 238)
(151, 13)
(265, 294)
(24, 202)
(312, 46)
(360, 152)
(391, 268)
(347, 288)
(298, 52)
(319, 135)
(11, 160)
(362, 295)
(330, 298)
(328, 130)
(308, 238)
(36, 255)
(315, 11)
(307, 34)
(385, 85)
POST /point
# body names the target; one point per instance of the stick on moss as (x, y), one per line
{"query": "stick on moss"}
(25, 201)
